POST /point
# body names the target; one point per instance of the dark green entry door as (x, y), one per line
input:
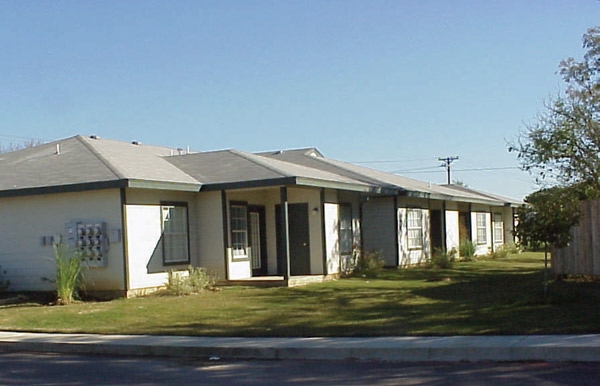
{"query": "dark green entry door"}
(299, 240)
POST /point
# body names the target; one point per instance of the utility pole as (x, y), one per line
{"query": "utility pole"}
(446, 163)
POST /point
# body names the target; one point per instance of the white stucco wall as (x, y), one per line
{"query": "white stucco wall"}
(143, 232)
(353, 199)
(452, 230)
(332, 245)
(144, 250)
(29, 265)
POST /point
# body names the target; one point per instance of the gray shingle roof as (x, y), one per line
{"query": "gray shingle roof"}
(80, 161)
(313, 158)
(88, 163)
(229, 168)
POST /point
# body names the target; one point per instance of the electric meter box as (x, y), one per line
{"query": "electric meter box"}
(90, 240)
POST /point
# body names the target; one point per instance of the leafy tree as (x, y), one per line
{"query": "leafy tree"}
(547, 220)
(562, 146)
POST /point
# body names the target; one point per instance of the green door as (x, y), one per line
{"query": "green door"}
(299, 240)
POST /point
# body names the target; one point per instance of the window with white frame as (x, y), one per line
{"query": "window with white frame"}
(239, 230)
(481, 221)
(414, 223)
(498, 229)
(174, 219)
(345, 229)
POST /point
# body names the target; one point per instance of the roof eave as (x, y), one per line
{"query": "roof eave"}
(67, 188)
(99, 185)
(164, 185)
(266, 183)
(319, 183)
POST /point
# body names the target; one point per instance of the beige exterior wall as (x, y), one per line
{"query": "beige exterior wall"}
(270, 198)
(29, 265)
(211, 242)
(313, 198)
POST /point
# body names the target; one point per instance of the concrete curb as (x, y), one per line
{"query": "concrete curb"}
(551, 348)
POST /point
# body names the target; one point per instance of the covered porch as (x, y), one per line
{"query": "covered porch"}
(288, 235)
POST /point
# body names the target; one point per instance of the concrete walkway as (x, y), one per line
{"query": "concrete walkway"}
(563, 348)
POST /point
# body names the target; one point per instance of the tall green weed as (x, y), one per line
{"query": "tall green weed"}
(466, 250)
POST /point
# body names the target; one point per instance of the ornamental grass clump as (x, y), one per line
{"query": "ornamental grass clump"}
(466, 250)
(68, 274)
(443, 259)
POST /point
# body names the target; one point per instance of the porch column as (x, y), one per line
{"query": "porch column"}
(285, 232)
(323, 234)
(444, 228)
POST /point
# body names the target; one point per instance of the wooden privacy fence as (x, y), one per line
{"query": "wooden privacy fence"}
(582, 255)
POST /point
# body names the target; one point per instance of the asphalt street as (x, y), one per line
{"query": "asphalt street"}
(18, 368)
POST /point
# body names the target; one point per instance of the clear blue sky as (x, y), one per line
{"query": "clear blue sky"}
(363, 81)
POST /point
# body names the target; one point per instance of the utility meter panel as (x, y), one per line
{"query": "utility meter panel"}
(90, 240)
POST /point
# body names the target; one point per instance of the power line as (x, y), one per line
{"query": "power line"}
(392, 161)
(425, 170)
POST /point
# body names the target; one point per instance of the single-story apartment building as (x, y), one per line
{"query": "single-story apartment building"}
(135, 211)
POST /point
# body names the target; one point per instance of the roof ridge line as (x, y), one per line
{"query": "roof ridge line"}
(249, 157)
(100, 157)
(355, 175)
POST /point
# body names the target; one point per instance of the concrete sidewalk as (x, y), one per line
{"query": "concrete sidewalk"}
(563, 348)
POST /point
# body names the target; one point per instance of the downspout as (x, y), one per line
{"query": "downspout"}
(125, 241)
(225, 232)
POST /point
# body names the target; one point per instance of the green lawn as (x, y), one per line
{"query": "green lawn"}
(502, 296)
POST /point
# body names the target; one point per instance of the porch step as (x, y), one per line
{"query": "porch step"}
(278, 281)
(259, 281)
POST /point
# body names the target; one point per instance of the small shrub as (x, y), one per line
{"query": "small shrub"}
(500, 252)
(512, 248)
(443, 259)
(177, 284)
(369, 264)
(68, 274)
(466, 250)
(194, 280)
(200, 279)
